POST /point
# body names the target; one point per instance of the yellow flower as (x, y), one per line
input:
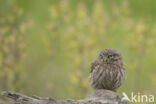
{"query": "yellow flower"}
(81, 11)
(74, 80)
(140, 28)
(54, 11)
(98, 12)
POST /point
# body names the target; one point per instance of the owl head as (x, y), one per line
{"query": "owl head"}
(110, 56)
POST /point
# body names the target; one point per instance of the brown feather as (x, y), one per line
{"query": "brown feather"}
(108, 75)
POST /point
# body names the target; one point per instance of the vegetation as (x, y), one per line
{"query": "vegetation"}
(46, 47)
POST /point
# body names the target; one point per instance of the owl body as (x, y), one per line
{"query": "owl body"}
(108, 71)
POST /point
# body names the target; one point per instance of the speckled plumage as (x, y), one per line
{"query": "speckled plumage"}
(108, 70)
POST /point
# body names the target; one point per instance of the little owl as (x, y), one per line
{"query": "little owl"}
(108, 70)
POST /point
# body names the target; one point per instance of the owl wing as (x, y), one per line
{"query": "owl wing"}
(94, 65)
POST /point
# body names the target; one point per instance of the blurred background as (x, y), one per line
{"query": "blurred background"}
(47, 46)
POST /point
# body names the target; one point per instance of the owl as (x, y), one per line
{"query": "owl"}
(108, 70)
